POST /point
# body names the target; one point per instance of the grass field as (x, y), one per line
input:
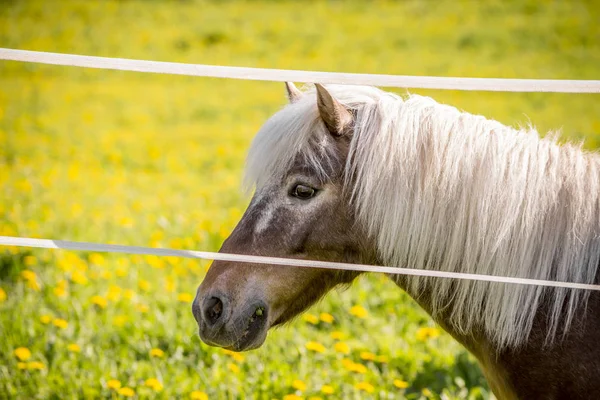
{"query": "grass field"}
(142, 159)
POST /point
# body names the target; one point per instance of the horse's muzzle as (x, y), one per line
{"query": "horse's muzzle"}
(243, 328)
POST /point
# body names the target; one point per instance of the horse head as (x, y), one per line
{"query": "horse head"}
(300, 209)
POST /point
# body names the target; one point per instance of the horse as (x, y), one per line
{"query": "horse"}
(359, 175)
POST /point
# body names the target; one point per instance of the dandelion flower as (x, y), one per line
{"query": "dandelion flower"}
(198, 395)
(74, 347)
(144, 285)
(113, 384)
(2, 295)
(79, 277)
(400, 384)
(359, 311)
(35, 365)
(299, 385)
(60, 323)
(158, 353)
(185, 297)
(367, 387)
(327, 389)
(233, 368)
(427, 333)
(22, 353)
(29, 260)
(99, 301)
(28, 275)
(45, 319)
(327, 318)
(337, 335)
(154, 384)
(316, 347)
(311, 319)
(21, 365)
(292, 397)
(342, 347)
(236, 356)
(126, 392)
(365, 355)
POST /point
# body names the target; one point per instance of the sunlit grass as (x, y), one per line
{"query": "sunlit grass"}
(143, 159)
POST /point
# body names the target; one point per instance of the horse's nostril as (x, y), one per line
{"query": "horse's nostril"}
(213, 310)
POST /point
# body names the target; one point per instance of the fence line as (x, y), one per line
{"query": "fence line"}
(265, 74)
(206, 255)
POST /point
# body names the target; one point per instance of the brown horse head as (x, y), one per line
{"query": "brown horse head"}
(300, 209)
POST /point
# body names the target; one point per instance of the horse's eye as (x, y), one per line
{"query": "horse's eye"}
(303, 192)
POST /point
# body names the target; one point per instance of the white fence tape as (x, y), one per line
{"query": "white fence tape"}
(114, 248)
(264, 74)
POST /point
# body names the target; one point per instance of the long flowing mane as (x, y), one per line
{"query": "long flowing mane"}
(447, 190)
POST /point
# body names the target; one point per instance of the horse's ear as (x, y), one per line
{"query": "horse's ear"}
(293, 93)
(336, 117)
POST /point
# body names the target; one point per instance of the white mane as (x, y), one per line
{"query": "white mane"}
(446, 190)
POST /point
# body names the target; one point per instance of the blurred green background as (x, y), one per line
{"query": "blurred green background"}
(143, 159)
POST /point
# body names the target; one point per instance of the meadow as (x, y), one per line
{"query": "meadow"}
(152, 160)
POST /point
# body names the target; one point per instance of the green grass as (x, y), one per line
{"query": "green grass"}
(143, 159)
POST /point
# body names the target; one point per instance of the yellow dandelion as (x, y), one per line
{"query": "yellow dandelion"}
(359, 311)
(236, 356)
(129, 294)
(198, 395)
(28, 275)
(158, 353)
(29, 260)
(113, 384)
(311, 319)
(142, 308)
(185, 297)
(22, 365)
(327, 389)
(106, 275)
(342, 347)
(144, 285)
(427, 333)
(365, 355)
(45, 319)
(99, 301)
(315, 398)
(120, 320)
(60, 291)
(400, 384)
(154, 384)
(233, 368)
(353, 367)
(338, 335)
(73, 347)
(34, 285)
(79, 277)
(36, 365)
(367, 387)
(292, 397)
(299, 385)
(97, 259)
(3, 295)
(316, 347)
(60, 323)
(22, 353)
(114, 293)
(126, 392)
(326, 317)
